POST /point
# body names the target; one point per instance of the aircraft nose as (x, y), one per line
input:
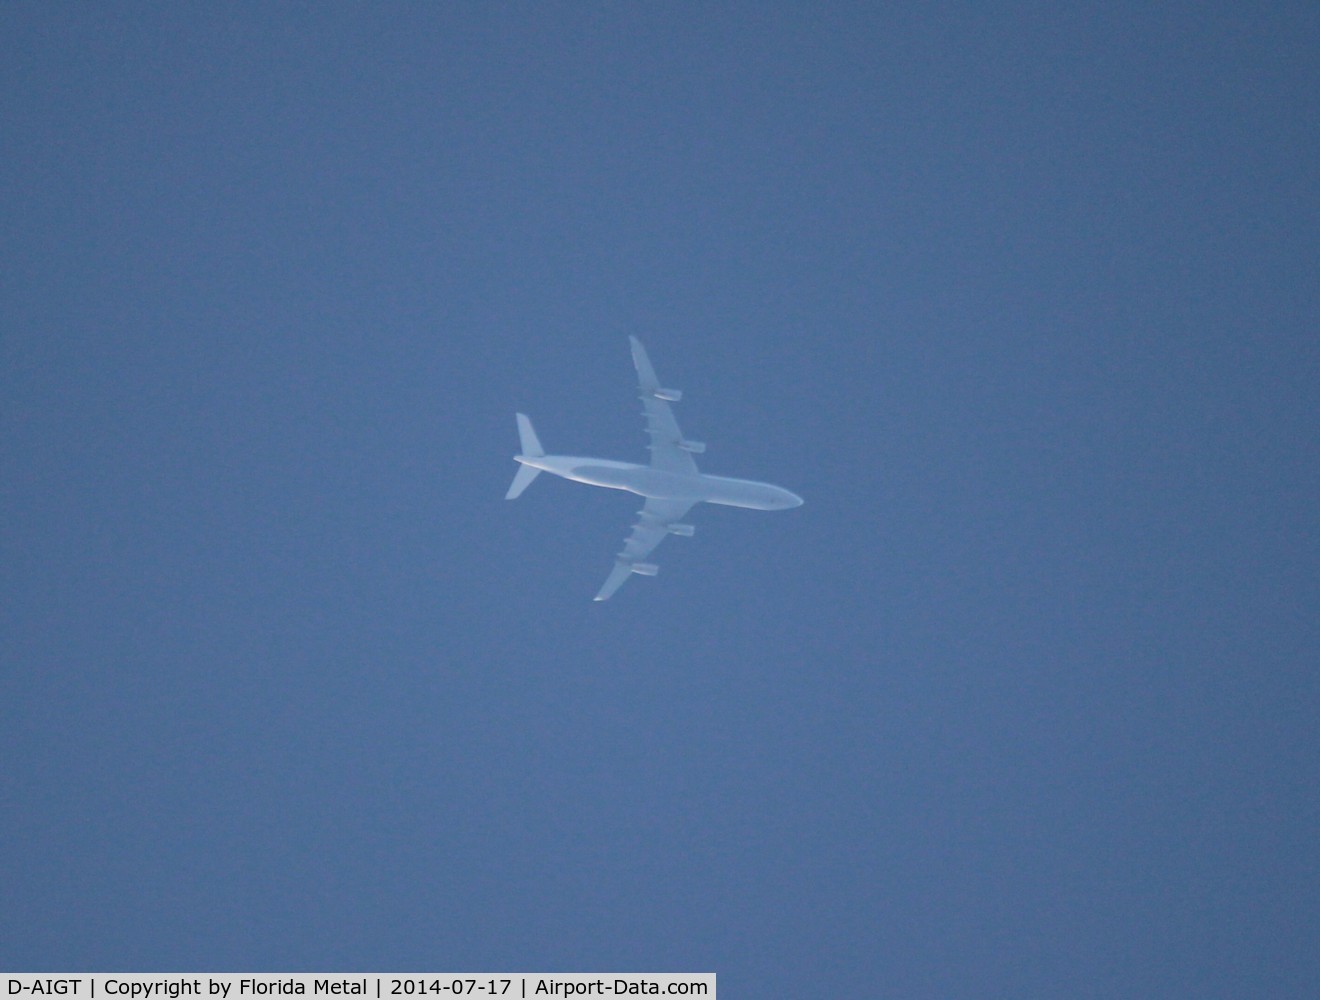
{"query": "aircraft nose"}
(792, 500)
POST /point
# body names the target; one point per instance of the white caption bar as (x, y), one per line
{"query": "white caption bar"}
(373, 985)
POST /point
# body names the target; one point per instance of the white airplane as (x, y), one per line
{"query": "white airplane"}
(671, 483)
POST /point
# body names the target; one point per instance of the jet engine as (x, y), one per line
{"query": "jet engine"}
(645, 569)
(682, 530)
(671, 395)
(695, 447)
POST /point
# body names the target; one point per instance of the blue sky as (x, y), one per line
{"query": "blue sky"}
(1021, 300)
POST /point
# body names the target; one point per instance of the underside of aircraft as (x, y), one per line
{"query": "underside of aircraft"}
(671, 482)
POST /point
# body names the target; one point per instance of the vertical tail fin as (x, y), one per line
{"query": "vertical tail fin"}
(531, 448)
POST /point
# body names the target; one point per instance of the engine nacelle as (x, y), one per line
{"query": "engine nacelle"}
(683, 530)
(645, 569)
(671, 395)
(695, 447)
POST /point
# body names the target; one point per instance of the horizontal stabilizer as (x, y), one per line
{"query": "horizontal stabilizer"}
(531, 445)
(521, 480)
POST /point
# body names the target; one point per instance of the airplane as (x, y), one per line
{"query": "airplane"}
(671, 483)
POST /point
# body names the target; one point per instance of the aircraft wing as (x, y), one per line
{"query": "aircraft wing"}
(669, 452)
(655, 520)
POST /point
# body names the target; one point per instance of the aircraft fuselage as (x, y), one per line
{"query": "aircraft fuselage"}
(656, 483)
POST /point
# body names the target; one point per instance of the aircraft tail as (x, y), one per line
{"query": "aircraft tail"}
(531, 448)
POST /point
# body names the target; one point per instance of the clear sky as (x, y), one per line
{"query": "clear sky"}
(1022, 298)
